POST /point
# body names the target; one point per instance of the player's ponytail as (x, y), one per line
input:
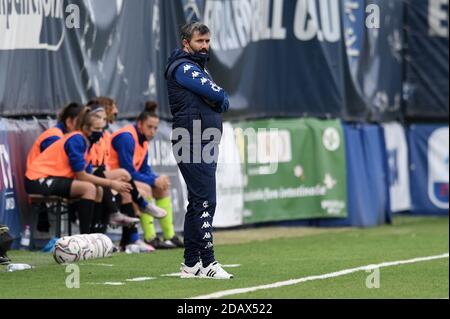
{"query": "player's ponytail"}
(70, 111)
(149, 111)
(83, 119)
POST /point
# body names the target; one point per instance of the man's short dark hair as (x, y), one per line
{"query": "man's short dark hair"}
(187, 31)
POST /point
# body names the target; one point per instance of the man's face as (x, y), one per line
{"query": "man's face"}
(149, 127)
(199, 43)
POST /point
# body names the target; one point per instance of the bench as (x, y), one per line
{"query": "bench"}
(56, 206)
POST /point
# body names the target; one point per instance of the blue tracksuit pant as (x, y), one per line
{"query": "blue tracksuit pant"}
(200, 179)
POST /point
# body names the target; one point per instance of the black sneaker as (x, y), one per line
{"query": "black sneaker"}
(159, 244)
(177, 241)
(4, 260)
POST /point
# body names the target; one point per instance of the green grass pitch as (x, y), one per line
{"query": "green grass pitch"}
(265, 256)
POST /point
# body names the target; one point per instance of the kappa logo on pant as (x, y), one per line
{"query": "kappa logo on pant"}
(209, 245)
(205, 215)
(206, 225)
(205, 204)
(207, 236)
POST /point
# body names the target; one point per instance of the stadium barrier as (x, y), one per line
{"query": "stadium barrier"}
(428, 154)
(293, 169)
(398, 173)
(367, 186)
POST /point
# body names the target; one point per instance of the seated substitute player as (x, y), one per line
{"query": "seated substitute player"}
(130, 151)
(66, 124)
(169, 240)
(63, 169)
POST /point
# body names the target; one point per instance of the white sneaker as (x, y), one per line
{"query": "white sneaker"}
(154, 210)
(190, 272)
(119, 219)
(132, 249)
(214, 271)
(144, 247)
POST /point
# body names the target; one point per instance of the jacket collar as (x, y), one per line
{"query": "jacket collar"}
(141, 137)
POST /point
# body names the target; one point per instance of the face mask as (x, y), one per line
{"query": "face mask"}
(203, 57)
(198, 56)
(95, 137)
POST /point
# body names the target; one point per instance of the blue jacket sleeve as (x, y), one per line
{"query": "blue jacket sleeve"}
(124, 145)
(75, 148)
(89, 168)
(192, 78)
(47, 142)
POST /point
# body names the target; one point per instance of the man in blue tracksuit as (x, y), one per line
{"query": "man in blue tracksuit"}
(196, 103)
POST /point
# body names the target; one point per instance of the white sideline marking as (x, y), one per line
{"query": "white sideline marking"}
(102, 265)
(141, 279)
(229, 292)
(113, 283)
(175, 274)
(231, 266)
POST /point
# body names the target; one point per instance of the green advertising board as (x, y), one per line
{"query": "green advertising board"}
(293, 169)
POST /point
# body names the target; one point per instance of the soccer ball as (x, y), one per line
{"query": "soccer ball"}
(75, 248)
(87, 250)
(103, 244)
(67, 250)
